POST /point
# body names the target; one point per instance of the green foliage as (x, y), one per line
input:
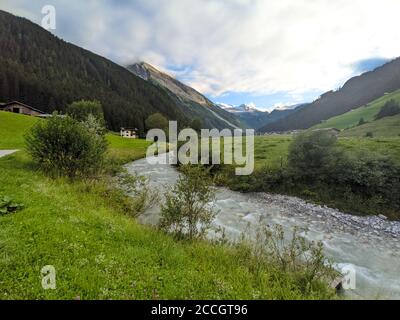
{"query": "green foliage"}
(157, 121)
(80, 110)
(64, 146)
(196, 124)
(361, 122)
(371, 175)
(304, 260)
(313, 155)
(390, 108)
(140, 195)
(8, 205)
(369, 134)
(187, 210)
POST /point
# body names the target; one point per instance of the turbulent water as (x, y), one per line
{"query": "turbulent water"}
(369, 245)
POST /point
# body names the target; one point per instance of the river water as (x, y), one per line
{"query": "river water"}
(368, 245)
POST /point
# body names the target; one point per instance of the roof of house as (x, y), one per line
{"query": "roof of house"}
(4, 105)
(131, 129)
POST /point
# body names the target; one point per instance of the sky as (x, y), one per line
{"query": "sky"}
(268, 53)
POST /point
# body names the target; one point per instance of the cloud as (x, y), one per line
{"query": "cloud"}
(252, 46)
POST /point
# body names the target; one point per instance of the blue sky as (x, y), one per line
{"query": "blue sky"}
(269, 53)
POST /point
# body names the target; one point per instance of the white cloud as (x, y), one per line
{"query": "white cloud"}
(253, 46)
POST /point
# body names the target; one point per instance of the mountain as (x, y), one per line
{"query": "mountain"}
(194, 103)
(239, 109)
(41, 70)
(355, 93)
(254, 118)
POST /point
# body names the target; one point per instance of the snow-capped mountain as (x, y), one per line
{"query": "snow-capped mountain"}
(241, 108)
(255, 118)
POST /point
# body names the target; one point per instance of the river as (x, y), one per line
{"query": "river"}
(369, 245)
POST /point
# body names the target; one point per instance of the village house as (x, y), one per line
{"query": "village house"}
(21, 108)
(131, 133)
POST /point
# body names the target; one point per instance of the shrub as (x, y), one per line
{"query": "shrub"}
(372, 175)
(369, 134)
(186, 211)
(7, 205)
(294, 255)
(140, 195)
(64, 146)
(312, 155)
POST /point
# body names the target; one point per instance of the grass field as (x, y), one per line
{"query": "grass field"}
(272, 151)
(352, 118)
(99, 252)
(13, 128)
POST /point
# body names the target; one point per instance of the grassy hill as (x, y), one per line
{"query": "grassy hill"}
(100, 251)
(13, 128)
(382, 128)
(352, 118)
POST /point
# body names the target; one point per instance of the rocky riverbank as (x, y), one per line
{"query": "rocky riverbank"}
(334, 219)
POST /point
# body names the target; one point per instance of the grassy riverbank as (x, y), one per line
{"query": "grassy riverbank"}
(100, 252)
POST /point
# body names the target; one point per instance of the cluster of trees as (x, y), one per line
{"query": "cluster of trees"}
(43, 71)
(158, 121)
(390, 108)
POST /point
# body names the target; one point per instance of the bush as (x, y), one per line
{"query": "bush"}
(371, 175)
(369, 134)
(186, 211)
(140, 195)
(313, 155)
(303, 260)
(64, 146)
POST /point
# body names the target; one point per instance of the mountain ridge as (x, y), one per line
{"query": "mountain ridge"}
(197, 104)
(355, 93)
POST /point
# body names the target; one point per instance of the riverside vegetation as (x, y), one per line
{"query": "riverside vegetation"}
(83, 225)
(357, 175)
